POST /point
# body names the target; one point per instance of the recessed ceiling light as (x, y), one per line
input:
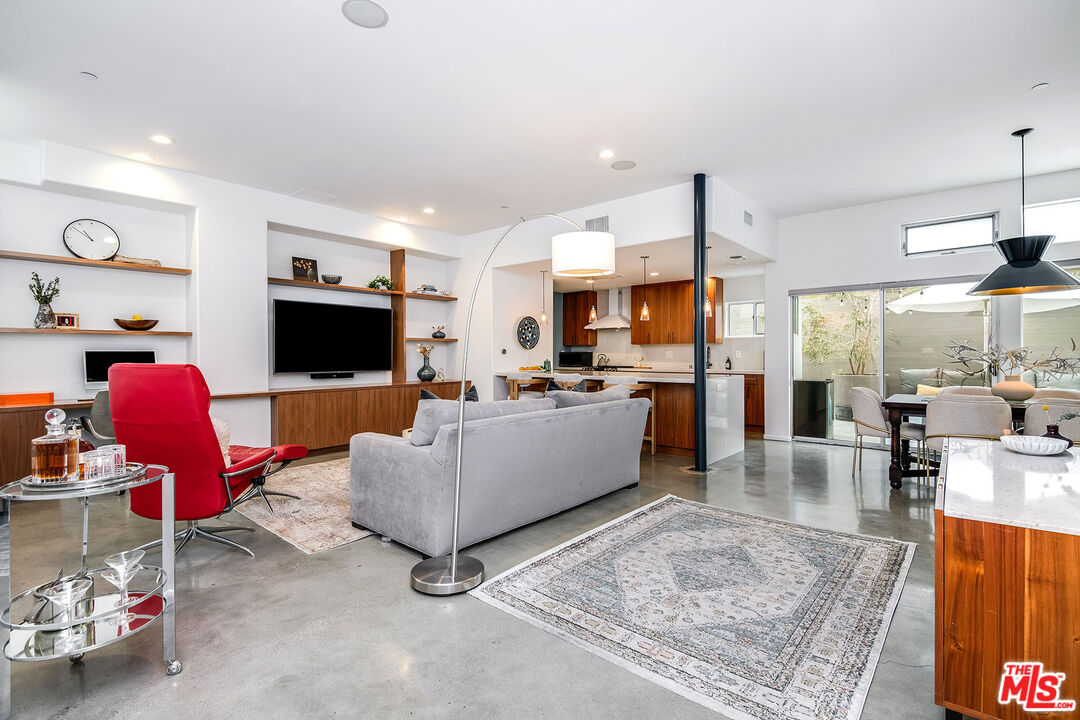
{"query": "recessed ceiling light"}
(505, 207)
(653, 274)
(1040, 86)
(607, 154)
(87, 75)
(429, 210)
(142, 157)
(623, 165)
(590, 281)
(161, 139)
(402, 219)
(365, 13)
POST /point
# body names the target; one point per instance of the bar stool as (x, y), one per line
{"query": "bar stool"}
(517, 380)
(568, 380)
(642, 387)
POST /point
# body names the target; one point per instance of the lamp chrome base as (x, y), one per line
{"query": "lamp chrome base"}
(432, 576)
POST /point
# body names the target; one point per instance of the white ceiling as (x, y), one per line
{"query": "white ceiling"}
(673, 259)
(466, 106)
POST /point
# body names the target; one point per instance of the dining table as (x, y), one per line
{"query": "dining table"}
(901, 406)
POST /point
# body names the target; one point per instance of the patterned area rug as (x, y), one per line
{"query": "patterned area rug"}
(754, 618)
(320, 519)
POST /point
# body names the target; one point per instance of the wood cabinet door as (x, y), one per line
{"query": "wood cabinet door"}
(338, 419)
(754, 407)
(296, 418)
(640, 332)
(576, 307)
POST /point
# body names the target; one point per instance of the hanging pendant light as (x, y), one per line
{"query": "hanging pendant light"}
(543, 298)
(592, 314)
(708, 302)
(644, 317)
(1024, 271)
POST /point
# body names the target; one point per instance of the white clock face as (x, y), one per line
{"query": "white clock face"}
(91, 239)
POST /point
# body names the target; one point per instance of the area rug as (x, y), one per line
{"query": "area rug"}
(755, 618)
(320, 519)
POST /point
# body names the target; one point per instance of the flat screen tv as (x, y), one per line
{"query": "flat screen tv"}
(323, 338)
(96, 364)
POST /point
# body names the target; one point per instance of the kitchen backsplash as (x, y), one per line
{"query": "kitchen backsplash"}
(616, 345)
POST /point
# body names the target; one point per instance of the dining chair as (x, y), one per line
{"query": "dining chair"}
(985, 417)
(1061, 393)
(964, 390)
(871, 420)
(1036, 419)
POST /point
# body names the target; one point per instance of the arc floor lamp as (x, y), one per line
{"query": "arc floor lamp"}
(579, 253)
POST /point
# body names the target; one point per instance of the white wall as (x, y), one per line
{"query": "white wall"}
(225, 229)
(861, 244)
(752, 350)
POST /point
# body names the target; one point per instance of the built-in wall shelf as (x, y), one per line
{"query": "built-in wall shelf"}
(81, 331)
(428, 296)
(431, 339)
(289, 282)
(108, 264)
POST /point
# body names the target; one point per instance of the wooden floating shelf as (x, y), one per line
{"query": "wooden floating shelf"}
(108, 264)
(80, 331)
(288, 282)
(431, 339)
(426, 296)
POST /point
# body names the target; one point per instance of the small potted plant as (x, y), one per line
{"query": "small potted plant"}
(438, 331)
(44, 294)
(381, 282)
(426, 373)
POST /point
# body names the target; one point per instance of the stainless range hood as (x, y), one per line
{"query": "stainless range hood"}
(614, 320)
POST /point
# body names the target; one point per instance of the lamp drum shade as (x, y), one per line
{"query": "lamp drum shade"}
(1024, 270)
(583, 253)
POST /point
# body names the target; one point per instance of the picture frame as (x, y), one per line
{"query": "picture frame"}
(305, 269)
(67, 320)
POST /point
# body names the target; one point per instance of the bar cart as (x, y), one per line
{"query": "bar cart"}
(33, 629)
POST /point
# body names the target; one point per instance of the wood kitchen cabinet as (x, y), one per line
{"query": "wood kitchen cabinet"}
(576, 307)
(671, 307)
(754, 408)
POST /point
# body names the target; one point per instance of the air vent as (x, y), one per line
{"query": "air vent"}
(598, 224)
(313, 195)
(747, 218)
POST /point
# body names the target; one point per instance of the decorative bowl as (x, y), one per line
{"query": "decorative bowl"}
(331, 279)
(1034, 445)
(128, 324)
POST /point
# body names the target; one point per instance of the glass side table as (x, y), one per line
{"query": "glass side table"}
(31, 631)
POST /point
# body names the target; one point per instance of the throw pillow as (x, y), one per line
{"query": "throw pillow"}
(470, 395)
(565, 398)
(221, 429)
(580, 387)
(927, 390)
(433, 414)
(428, 395)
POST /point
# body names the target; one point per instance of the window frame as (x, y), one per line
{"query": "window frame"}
(754, 317)
(994, 215)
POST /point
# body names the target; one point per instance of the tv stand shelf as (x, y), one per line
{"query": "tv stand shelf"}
(288, 282)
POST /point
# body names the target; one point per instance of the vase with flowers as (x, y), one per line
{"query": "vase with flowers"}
(1053, 428)
(438, 331)
(44, 295)
(426, 373)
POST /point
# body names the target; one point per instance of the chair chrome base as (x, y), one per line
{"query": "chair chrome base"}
(194, 530)
(432, 576)
(258, 491)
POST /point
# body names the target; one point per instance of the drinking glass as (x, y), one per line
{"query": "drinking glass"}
(66, 594)
(123, 566)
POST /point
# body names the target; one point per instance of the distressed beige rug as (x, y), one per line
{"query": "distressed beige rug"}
(320, 519)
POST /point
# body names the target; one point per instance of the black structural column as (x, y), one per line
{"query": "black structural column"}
(700, 341)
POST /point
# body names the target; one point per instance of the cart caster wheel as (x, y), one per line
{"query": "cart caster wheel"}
(76, 658)
(174, 668)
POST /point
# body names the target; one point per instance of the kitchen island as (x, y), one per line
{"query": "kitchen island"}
(724, 402)
(1007, 582)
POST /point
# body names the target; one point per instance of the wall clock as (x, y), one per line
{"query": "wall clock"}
(528, 332)
(91, 239)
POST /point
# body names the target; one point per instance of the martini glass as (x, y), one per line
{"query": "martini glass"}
(66, 594)
(122, 567)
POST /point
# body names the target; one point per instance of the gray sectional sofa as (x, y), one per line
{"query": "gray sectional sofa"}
(523, 460)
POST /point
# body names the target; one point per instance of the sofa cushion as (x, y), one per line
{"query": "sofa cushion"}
(953, 378)
(566, 398)
(433, 414)
(470, 395)
(911, 378)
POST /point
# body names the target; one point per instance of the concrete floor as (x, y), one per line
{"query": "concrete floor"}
(341, 634)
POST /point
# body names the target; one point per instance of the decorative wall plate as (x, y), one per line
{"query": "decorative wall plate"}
(528, 332)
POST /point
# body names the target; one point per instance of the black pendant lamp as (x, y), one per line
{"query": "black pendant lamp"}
(1024, 271)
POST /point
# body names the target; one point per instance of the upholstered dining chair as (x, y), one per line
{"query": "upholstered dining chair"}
(162, 414)
(966, 416)
(871, 420)
(1060, 393)
(1036, 419)
(964, 390)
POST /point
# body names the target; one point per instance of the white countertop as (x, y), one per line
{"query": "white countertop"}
(642, 375)
(982, 480)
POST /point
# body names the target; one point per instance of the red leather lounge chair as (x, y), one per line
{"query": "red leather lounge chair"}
(162, 414)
